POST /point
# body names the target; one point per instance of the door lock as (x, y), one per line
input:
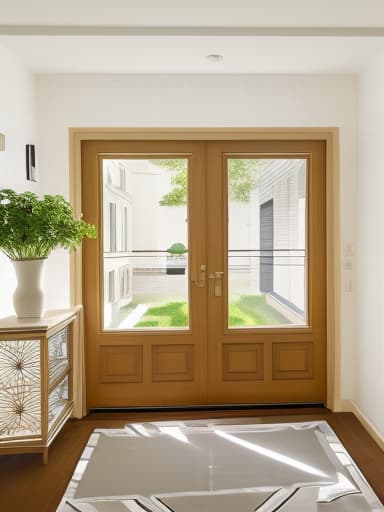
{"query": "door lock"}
(217, 276)
(201, 279)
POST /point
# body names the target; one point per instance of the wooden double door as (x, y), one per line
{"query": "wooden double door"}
(206, 284)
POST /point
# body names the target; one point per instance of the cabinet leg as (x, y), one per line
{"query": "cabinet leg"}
(45, 456)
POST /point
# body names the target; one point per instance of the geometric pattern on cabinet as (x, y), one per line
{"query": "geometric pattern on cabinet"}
(20, 412)
(172, 363)
(35, 381)
(243, 361)
(58, 353)
(121, 363)
(57, 401)
(292, 361)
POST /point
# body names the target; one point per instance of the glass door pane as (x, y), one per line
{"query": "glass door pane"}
(145, 233)
(267, 242)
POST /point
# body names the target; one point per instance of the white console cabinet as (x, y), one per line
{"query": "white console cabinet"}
(35, 380)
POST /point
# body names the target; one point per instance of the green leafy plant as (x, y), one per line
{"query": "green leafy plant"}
(30, 228)
(177, 249)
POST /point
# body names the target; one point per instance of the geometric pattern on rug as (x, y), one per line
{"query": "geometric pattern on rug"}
(218, 466)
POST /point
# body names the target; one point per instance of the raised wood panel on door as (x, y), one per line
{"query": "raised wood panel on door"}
(243, 361)
(121, 363)
(292, 361)
(172, 363)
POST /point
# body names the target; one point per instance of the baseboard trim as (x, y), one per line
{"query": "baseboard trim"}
(351, 406)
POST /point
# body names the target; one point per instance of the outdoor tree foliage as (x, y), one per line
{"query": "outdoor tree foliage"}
(243, 176)
(179, 181)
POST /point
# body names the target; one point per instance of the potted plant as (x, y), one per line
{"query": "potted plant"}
(30, 228)
(176, 260)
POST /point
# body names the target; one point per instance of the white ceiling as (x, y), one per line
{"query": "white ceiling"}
(174, 36)
(74, 54)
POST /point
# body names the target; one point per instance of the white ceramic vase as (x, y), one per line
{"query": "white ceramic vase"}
(28, 298)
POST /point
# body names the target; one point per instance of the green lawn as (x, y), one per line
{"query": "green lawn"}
(253, 310)
(172, 314)
(247, 310)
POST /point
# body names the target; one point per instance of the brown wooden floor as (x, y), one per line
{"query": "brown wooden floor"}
(26, 485)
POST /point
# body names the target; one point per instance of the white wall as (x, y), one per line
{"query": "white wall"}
(370, 246)
(17, 122)
(196, 101)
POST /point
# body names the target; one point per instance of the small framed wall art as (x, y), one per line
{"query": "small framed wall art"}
(30, 162)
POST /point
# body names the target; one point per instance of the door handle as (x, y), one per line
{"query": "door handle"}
(217, 276)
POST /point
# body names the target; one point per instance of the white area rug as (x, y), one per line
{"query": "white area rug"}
(218, 466)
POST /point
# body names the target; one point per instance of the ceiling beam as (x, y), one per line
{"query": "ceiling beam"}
(84, 30)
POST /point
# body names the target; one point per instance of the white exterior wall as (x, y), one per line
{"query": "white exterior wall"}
(117, 191)
(155, 227)
(17, 123)
(196, 101)
(370, 247)
(280, 181)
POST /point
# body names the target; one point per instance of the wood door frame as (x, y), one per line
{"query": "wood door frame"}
(333, 268)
